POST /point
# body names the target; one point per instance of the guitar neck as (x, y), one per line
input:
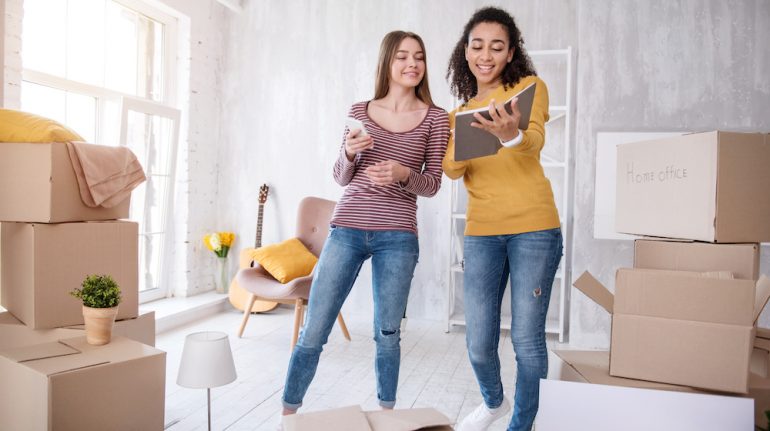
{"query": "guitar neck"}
(258, 238)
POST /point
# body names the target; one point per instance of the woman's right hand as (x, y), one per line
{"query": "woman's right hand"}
(503, 125)
(355, 143)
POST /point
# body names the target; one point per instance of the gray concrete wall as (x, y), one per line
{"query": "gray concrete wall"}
(293, 68)
(659, 66)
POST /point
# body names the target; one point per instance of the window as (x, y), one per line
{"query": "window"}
(149, 131)
(105, 68)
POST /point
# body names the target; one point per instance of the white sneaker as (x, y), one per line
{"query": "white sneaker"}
(482, 416)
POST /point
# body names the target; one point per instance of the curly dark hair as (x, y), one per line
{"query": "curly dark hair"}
(462, 83)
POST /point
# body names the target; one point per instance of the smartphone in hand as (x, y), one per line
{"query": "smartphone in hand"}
(353, 123)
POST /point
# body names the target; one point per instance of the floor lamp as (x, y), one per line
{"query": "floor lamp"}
(207, 362)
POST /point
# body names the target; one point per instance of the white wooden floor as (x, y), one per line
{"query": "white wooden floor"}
(435, 372)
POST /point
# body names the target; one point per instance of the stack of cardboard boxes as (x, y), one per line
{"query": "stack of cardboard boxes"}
(50, 377)
(686, 313)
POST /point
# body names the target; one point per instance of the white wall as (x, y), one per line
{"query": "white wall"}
(293, 69)
(2, 51)
(12, 13)
(201, 68)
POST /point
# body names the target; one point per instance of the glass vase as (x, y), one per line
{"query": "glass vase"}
(221, 276)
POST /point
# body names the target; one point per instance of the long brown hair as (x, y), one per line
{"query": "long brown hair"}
(388, 49)
(462, 83)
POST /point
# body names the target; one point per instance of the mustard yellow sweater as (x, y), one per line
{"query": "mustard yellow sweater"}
(508, 192)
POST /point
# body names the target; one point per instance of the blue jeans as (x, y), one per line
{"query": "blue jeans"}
(531, 260)
(394, 257)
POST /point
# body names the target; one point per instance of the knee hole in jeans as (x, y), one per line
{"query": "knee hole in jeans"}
(390, 337)
(537, 292)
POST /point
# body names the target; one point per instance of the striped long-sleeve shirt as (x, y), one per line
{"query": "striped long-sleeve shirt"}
(368, 206)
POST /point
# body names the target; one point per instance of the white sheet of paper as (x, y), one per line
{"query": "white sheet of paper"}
(586, 406)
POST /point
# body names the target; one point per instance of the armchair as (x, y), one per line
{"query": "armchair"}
(313, 217)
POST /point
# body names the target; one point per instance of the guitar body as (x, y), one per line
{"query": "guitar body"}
(239, 297)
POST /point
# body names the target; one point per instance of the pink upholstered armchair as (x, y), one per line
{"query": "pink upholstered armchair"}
(313, 217)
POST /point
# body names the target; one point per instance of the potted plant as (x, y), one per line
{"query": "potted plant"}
(100, 295)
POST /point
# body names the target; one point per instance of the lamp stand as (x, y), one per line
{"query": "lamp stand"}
(207, 362)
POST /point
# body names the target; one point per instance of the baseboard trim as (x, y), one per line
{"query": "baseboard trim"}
(172, 313)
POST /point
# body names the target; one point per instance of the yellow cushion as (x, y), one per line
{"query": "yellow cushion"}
(286, 260)
(17, 126)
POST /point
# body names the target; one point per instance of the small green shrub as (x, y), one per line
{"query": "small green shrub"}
(98, 291)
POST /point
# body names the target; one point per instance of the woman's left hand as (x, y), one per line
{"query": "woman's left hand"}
(387, 172)
(503, 125)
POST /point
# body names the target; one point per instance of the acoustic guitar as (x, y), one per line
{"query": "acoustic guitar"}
(239, 297)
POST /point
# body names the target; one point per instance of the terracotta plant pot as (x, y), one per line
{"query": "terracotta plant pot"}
(99, 323)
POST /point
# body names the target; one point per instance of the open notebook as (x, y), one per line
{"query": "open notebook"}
(471, 142)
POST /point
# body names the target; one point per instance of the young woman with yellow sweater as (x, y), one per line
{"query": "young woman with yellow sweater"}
(512, 227)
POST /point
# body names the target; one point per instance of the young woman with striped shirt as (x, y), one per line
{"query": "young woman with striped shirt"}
(383, 172)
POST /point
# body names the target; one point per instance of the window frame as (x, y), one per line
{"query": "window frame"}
(144, 106)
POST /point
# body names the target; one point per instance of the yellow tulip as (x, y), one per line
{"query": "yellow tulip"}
(207, 241)
(219, 242)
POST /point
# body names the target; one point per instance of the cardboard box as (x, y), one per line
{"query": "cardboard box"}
(38, 184)
(742, 260)
(71, 385)
(140, 328)
(681, 328)
(705, 186)
(581, 395)
(352, 418)
(14, 333)
(42, 263)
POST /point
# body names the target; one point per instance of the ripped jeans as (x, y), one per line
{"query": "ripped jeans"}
(531, 260)
(394, 257)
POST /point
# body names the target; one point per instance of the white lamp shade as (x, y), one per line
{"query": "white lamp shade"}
(207, 361)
